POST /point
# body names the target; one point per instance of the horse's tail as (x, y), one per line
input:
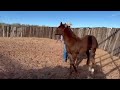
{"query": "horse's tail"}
(97, 46)
(92, 42)
(96, 42)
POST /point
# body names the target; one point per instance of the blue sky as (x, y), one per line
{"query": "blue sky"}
(53, 18)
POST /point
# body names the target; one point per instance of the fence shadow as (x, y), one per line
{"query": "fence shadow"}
(109, 56)
(114, 54)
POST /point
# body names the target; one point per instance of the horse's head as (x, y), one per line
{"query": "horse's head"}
(60, 29)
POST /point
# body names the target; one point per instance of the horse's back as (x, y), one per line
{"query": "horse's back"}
(90, 41)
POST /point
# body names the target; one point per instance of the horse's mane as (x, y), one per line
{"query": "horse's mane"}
(70, 33)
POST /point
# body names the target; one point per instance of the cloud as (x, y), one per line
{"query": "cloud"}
(115, 15)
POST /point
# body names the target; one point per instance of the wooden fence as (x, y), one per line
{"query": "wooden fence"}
(108, 38)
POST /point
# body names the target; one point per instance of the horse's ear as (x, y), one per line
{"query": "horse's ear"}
(61, 23)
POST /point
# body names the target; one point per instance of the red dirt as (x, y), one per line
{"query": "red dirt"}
(42, 58)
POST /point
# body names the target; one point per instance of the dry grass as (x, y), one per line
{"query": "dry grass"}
(42, 58)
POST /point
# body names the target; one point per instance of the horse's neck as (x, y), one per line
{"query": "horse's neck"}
(69, 37)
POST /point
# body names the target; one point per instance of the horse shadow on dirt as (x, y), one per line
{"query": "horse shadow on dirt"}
(84, 73)
(11, 69)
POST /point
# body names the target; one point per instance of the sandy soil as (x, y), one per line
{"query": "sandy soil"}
(38, 58)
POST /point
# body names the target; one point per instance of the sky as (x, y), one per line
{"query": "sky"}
(53, 18)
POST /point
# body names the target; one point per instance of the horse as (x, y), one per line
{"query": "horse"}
(78, 47)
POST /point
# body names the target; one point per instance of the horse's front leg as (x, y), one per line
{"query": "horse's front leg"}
(70, 57)
(74, 68)
(74, 56)
(78, 61)
(70, 69)
(72, 63)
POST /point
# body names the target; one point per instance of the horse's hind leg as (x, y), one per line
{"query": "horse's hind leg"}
(92, 58)
(93, 64)
(88, 58)
(70, 69)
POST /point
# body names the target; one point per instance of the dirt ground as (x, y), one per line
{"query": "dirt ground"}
(42, 58)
